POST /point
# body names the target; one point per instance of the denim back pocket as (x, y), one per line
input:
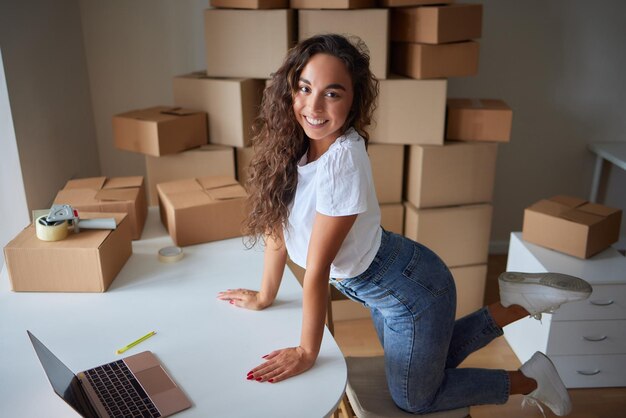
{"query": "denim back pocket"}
(427, 270)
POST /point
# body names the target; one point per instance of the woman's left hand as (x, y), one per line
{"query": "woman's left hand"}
(283, 364)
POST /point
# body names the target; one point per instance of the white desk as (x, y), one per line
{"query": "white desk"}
(206, 345)
(614, 152)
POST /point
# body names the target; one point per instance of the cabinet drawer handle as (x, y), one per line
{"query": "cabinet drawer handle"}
(588, 373)
(601, 302)
(595, 339)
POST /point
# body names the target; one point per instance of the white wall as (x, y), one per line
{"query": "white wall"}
(560, 65)
(134, 49)
(48, 94)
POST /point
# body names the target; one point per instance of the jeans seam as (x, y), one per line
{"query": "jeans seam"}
(492, 328)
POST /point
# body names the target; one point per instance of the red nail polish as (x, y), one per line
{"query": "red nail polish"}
(265, 356)
(250, 377)
(258, 379)
(250, 372)
(271, 380)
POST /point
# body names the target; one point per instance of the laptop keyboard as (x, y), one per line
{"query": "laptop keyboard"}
(119, 391)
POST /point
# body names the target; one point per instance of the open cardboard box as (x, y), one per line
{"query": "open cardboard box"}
(202, 209)
(87, 261)
(571, 225)
(113, 195)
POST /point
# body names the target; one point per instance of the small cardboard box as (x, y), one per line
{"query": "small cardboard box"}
(160, 130)
(232, 104)
(478, 120)
(421, 61)
(371, 25)
(457, 173)
(405, 3)
(437, 24)
(332, 4)
(458, 234)
(392, 217)
(207, 160)
(247, 43)
(202, 210)
(117, 194)
(470, 284)
(85, 262)
(388, 171)
(251, 4)
(409, 112)
(571, 225)
(243, 158)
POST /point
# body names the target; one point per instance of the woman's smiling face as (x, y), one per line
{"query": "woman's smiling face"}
(323, 98)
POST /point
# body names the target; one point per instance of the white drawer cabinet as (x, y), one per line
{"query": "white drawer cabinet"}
(586, 340)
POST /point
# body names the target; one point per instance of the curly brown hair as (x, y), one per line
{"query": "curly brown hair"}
(278, 139)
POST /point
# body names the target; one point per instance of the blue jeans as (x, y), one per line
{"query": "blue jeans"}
(412, 298)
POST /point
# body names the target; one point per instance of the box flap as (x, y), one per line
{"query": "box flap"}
(549, 207)
(94, 183)
(121, 182)
(179, 111)
(227, 192)
(214, 182)
(119, 217)
(117, 195)
(76, 197)
(189, 199)
(597, 209)
(581, 217)
(179, 186)
(569, 201)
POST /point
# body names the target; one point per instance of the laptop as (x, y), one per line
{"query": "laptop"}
(135, 386)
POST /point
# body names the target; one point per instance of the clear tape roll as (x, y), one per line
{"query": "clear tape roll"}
(55, 231)
(170, 254)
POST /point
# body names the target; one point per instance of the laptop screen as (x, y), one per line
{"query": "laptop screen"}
(63, 380)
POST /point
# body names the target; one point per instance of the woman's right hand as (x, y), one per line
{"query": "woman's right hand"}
(245, 298)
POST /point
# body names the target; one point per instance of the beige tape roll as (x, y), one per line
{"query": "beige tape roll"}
(170, 254)
(50, 232)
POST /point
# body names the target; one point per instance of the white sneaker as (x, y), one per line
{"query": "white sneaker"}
(541, 292)
(550, 388)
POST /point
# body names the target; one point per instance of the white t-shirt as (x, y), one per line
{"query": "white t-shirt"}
(338, 183)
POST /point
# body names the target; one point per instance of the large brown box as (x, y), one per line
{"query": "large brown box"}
(207, 160)
(458, 234)
(478, 120)
(388, 171)
(247, 43)
(420, 61)
(470, 284)
(85, 262)
(571, 225)
(113, 195)
(437, 24)
(232, 104)
(332, 4)
(160, 130)
(371, 25)
(392, 217)
(202, 210)
(409, 112)
(457, 173)
(251, 4)
(405, 3)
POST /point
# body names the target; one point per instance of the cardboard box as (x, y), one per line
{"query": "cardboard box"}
(332, 4)
(478, 120)
(243, 158)
(251, 4)
(571, 225)
(392, 217)
(85, 262)
(387, 163)
(160, 130)
(113, 195)
(202, 210)
(405, 3)
(247, 43)
(437, 24)
(409, 112)
(371, 25)
(457, 173)
(458, 234)
(232, 104)
(208, 160)
(420, 61)
(470, 284)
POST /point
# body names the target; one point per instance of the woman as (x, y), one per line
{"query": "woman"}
(312, 198)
